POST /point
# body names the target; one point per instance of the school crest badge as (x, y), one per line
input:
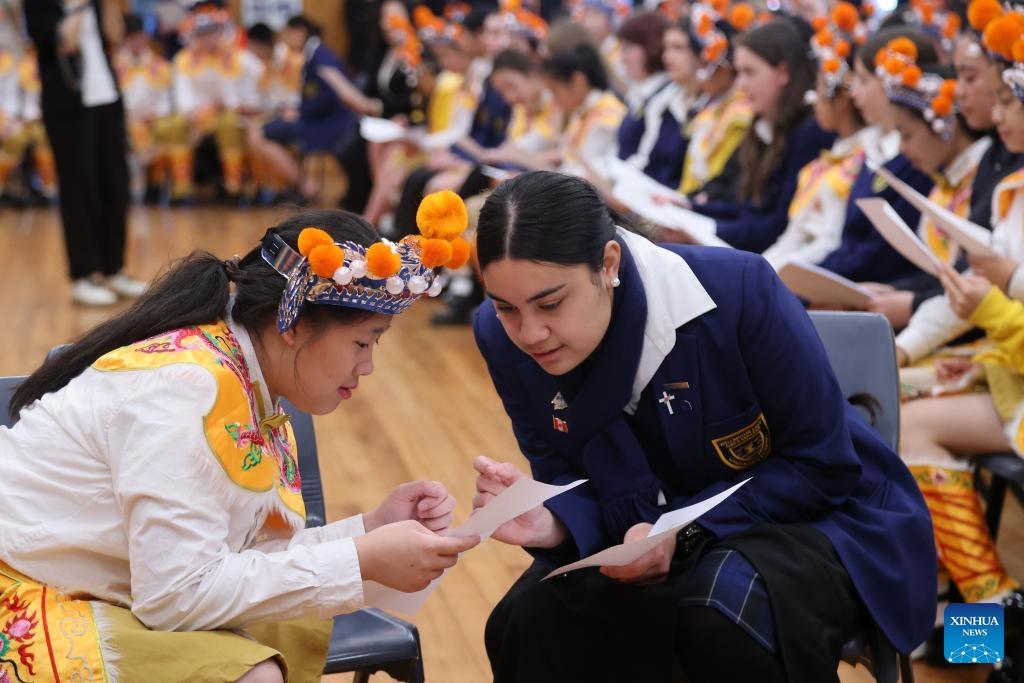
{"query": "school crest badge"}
(745, 447)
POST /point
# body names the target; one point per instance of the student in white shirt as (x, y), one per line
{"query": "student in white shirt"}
(167, 515)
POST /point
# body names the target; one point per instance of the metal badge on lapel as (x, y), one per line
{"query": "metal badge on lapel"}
(558, 403)
(559, 425)
(666, 399)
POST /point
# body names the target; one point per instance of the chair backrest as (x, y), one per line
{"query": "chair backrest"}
(861, 349)
(7, 387)
(309, 465)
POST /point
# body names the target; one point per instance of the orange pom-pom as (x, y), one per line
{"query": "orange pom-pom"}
(705, 24)
(842, 49)
(893, 65)
(823, 37)
(845, 16)
(1018, 51)
(867, 10)
(461, 250)
(442, 215)
(819, 23)
(312, 237)
(952, 26)
(830, 65)
(325, 259)
(981, 12)
(904, 46)
(435, 252)
(1001, 34)
(948, 88)
(720, 6)
(715, 50)
(911, 76)
(942, 105)
(381, 261)
(422, 16)
(928, 14)
(741, 16)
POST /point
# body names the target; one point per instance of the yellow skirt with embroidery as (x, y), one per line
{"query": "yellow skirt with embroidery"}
(48, 636)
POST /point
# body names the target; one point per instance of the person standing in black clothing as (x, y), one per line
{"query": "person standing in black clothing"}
(84, 120)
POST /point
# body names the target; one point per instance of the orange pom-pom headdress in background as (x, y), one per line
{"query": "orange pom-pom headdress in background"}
(907, 84)
(833, 43)
(1003, 38)
(933, 18)
(386, 277)
(710, 22)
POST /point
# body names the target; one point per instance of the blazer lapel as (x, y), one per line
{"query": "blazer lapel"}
(676, 388)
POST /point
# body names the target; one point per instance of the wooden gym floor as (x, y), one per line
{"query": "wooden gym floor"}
(427, 410)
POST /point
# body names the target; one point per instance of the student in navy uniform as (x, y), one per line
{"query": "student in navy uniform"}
(651, 135)
(863, 255)
(775, 71)
(665, 376)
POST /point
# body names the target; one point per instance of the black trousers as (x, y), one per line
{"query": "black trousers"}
(90, 149)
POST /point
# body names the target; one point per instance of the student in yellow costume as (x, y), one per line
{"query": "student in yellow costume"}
(162, 536)
(21, 125)
(208, 92)
(145, 81)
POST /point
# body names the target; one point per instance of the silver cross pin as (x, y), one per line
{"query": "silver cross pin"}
(667, 399)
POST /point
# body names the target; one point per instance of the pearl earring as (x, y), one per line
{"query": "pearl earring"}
(616, 281)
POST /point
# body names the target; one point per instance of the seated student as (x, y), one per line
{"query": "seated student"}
(166, 520)
(145, 81)
(774, 70)
(601, 19)
(651, 135)
(664, 376)
(818, 210)
(937, 432)
(863, 254)
(934, 324)
(24, 123)
(703, 52)
(579, 89)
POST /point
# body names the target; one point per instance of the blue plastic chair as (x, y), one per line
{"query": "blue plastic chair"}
(363, 642)
(862, 352)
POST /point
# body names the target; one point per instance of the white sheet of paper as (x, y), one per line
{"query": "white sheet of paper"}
(380, 130)
(637, 190)
(818, 285)
(668, 523)
(898, 234)
(495, 173)
(520, 497)
(972, 237)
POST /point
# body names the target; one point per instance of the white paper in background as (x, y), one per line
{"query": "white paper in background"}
(637, 190)
(380, 130)
(972, 237)
(819, 285)
(898, 234)
(522, 496)
(495, 173)
(669, 523)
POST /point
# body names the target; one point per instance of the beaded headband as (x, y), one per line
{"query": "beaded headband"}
(712, 43)
(386, 277)
(933, 18)
(906, 84)
(834, 39)
(1003, 38)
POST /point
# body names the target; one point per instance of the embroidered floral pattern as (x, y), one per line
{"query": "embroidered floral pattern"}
(17, 638)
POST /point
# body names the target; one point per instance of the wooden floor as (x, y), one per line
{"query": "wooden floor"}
(426, 412)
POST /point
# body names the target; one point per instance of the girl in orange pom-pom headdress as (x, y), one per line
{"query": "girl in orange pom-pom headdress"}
(170, 420)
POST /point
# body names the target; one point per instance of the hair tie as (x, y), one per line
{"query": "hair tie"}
(232, 267)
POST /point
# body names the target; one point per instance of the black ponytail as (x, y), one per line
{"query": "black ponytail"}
(195, 291)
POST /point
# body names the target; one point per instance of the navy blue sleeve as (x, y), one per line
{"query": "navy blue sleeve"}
(812, 467)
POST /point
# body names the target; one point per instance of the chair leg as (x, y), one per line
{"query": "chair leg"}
(906, 669)
(361, 677)
(994, 503)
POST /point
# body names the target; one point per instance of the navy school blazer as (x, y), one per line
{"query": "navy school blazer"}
(756, 397)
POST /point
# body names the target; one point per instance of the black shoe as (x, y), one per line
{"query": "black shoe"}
(459, 311)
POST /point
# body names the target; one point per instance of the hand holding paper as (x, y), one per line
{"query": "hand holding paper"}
(668, 524)
(899, 235)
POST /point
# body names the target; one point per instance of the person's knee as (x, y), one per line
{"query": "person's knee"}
(266, 671)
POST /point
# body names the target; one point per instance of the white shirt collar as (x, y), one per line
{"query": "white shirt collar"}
(589, 102)
(266, 403)
(966, 160)
(312, 43)
(674, 297)
(642, 91)
(763, 129)
(845, 146)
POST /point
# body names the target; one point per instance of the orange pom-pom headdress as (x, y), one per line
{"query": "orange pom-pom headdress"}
(833, 42)
(907, 84)
(713, 23)
(385, 277)
(933, 18)
(1003, 38)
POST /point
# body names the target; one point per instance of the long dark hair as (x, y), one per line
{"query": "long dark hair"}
(582, 59)
(545, 216)
(195, 291)
(778, 42)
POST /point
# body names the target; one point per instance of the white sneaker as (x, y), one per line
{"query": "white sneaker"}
(88, 293)
(125, 286)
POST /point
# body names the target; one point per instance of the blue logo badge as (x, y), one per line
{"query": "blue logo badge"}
(973, 633)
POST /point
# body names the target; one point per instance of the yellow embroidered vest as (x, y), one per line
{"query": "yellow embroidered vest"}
(715, 133)
(1004, 194)
(828, 170)
(956, 198)
(255, 451)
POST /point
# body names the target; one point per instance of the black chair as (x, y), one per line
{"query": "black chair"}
(1005, 472)
(861, 350)
(369, 640)
(363, 642)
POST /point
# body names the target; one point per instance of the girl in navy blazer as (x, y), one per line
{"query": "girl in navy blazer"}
(665, 375)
